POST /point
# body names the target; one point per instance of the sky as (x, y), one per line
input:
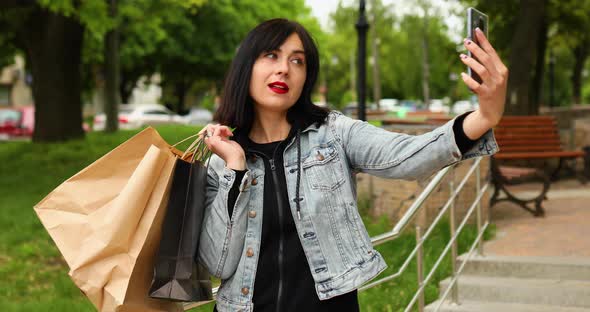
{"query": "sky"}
(322, 9)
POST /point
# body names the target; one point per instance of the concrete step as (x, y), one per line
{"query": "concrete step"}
(480, 306)
(528, 267)
(567, 293)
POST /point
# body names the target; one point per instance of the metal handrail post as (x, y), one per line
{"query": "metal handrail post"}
(479, 214)
(454, 253)
(420, 267)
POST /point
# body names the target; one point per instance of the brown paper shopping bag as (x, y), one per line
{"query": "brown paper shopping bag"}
(106, 222)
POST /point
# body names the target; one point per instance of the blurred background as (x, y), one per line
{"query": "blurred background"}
(74, 62)
(77, 78)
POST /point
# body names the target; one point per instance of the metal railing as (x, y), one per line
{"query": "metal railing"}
(418, 250)
(451, 245)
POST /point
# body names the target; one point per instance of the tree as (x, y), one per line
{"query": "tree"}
(111, 57)
(52, 43)
(541, 26)
(51, 34)
(400, 51)
(205, 42)
(572, 27)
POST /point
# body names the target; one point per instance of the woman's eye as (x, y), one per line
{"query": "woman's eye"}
(298, 61)
(271, 55)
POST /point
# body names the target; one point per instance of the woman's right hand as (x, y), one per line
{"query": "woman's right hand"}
(217, 139)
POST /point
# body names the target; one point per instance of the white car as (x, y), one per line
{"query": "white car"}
(137, 116)
(198, 116)
(438, 106)
(461, 107)
(390, 105)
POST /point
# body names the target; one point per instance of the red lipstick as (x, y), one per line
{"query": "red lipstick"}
(279, 87)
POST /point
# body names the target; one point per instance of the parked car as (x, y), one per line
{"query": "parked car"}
(137, 116)
(390, 105)
(17, 122)
(463, 106)
(198, 116)
(350, 109)
(438, 106)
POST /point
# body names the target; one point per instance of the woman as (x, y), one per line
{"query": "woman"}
(281, 227)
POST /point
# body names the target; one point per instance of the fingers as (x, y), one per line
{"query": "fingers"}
(471, 83)
(475, 66)
(214, 134)
(482, 56)
(489, 49)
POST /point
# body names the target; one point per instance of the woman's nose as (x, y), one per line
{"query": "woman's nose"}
(282, 67)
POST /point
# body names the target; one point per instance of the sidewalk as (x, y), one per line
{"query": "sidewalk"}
(564, 231)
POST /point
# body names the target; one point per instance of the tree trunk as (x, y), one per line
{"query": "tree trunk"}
(522, 53)
(180, 89)
(425, 60)
(580, 55)
(111, 58)
(126, 85)
(537, 89)
(375, 52)
(53, 44)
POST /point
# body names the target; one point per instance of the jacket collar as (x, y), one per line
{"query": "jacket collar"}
(241, 135)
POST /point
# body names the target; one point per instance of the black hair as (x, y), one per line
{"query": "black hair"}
(237, 107)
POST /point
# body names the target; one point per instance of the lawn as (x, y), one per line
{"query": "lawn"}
(33, 275)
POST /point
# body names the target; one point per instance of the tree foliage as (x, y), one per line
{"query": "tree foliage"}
(567, 28)
(400, 55)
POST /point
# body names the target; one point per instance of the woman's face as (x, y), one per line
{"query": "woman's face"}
(278, 76)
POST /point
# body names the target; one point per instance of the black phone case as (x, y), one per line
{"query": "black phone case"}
(475, 19)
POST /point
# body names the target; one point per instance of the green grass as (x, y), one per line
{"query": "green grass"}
(33, 275)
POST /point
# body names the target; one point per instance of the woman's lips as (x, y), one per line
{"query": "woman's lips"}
(279, 87)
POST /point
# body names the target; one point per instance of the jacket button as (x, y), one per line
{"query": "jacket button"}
(245, 290)
(249, 252)
(319, 156)
(254, 181)
(252, 214)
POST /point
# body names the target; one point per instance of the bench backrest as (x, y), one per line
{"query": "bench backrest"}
(528, 134)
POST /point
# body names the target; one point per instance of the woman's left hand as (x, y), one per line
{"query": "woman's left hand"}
(494, 74)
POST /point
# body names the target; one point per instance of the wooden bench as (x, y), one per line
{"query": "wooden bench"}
(527, 138)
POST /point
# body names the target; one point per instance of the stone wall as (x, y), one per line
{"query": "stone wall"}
(392, 198)
(574, 129)
(573, 123)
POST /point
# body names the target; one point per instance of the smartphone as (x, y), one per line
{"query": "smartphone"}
(475, 19)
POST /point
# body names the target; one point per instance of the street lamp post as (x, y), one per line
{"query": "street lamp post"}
(361, 26)
(551, 78)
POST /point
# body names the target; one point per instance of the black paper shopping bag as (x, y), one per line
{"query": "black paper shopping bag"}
(177, 275)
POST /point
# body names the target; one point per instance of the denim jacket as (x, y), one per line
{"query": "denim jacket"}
(338, 248)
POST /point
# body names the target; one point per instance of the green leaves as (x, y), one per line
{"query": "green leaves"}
(399, 55)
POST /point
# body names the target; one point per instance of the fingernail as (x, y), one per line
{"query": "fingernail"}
(478, 30)
(463, 56)
(467, 41)
(463, 74)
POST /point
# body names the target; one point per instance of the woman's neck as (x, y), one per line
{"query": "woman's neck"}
(269, 128)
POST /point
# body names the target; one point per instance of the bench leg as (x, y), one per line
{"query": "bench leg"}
(554, 176)
(572, 170)
(500, 186)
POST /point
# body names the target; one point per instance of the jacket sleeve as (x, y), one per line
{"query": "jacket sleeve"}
(222, 236)
(387, 154)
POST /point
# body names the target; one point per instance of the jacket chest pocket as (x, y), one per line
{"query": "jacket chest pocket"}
(323, 168)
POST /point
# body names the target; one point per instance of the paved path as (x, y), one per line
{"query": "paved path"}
(564, 231)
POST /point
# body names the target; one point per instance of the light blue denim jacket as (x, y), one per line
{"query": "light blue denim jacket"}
(338, 248)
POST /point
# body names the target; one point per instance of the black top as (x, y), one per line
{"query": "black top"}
(284, 268)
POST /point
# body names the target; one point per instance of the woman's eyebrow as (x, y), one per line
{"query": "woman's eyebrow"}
(292, 52)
